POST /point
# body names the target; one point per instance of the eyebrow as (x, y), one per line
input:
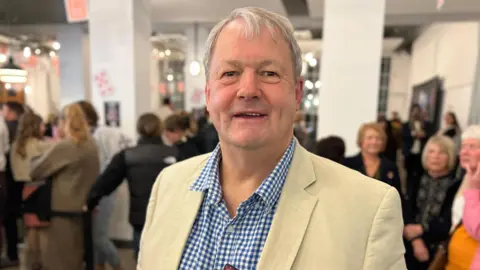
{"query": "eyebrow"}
(261, 64)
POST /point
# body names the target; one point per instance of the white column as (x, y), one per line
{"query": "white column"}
(120, 51)
(73, 58)
(195, 85)
(350, 67)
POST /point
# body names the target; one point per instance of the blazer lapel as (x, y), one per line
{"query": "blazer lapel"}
(292, 217)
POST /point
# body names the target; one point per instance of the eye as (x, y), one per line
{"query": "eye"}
(229, 74)
(268, 73)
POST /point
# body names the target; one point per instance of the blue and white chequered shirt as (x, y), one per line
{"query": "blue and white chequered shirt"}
(216, 239)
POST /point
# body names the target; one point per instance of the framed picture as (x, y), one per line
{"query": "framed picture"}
(429, 96)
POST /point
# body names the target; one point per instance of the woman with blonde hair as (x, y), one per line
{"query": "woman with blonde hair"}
(71, 166)
(29, 143)
(428, 210)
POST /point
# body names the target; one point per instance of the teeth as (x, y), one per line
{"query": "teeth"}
(252, 114)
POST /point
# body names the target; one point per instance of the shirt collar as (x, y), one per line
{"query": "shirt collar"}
(269, 191)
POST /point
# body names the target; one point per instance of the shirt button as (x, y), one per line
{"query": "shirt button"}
(230, 229)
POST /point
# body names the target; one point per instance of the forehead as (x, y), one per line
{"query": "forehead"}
(471, 141)
(237, 41)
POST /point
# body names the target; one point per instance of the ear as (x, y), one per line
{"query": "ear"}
(207, 94)
(299, 91)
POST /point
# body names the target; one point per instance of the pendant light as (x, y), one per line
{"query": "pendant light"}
(195, 66)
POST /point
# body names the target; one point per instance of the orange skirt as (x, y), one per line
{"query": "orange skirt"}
(31, 220)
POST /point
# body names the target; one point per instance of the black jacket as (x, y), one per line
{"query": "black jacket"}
(140, 165)
(408, 139)
(439, 227)
(388, 170)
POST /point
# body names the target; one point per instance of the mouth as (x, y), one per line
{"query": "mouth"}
(250, 115)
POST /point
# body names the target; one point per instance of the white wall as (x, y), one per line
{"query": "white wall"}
(399, 84)
(450, 51)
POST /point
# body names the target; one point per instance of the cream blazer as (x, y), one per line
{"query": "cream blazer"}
(329, 217)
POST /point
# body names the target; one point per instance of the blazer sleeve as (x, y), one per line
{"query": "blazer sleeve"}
(385, 249)
(471, 213)
(52, 161)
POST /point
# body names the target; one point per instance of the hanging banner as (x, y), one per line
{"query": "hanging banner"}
(76, 10)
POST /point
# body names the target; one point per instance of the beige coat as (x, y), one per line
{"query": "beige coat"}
(21, 165)
(328, 217)
(73, 168)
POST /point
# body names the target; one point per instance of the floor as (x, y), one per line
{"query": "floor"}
(126, 256)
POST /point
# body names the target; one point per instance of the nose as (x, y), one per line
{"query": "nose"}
(249, 87)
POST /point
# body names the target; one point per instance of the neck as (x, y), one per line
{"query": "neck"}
(437, 174)
(370, 157)
(249, 167)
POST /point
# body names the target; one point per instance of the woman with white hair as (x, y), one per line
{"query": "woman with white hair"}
(428, 211)
(463, 248)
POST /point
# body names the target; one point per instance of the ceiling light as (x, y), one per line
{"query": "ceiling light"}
(154, 51)
(28, 89)
(318, 84)
(52, 54)
(169, 77)
(38, 51)
(309, 56)
(168, 52)
(316, 102)
(195, 68)
(11, 73)
(312, 62)
(309, 84)
(8, 86)
(27, 52)
(56, 45)
(310, 96)
(3, 58)
(161, 54)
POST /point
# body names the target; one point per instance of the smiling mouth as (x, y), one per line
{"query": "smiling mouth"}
(249, 115)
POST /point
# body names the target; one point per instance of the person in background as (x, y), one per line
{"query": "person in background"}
(428, 211)
(192, 143)
(332, 148)
(4, 147)
(416, 133)
(391, 145)
(28, 144)
(174, 134)
(397, 126)
(166, 109)
(451, 128)
(372, 139)
(300, 129)
(140, 165)
(109, 142)
(72, 165)
(260, 200)
(208, 135)
(11, 112)
(49, 124)
(464, 245)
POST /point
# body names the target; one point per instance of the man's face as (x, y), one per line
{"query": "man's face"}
(252, 94)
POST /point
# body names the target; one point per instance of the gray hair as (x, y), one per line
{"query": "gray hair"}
(472, 132)
(448, 147)
(254, 19)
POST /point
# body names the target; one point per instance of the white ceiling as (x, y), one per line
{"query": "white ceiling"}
(205, 10)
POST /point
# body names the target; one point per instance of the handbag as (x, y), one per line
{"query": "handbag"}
(440, 260)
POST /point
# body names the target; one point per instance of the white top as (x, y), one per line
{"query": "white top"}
(457, 210)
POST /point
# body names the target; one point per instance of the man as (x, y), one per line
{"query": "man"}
(109, 141)
(415, 134)
(260, 200)
(11, 112)
(166, 109)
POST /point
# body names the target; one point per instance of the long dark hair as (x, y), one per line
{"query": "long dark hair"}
(28, 127)
(455, 121)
